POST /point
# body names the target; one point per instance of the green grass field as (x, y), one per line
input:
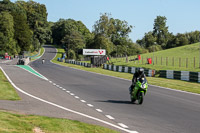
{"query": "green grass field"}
(185, 58)
(19, 123)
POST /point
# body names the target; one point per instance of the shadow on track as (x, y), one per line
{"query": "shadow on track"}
(117, 101)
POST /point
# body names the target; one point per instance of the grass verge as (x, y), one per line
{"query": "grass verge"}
(169, 83)
(42, 51)
(38, 56)
(7, 92)
(18, 123)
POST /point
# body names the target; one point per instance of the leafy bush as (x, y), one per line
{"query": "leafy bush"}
(72, 54)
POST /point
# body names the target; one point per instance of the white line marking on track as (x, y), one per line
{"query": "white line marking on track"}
(90, 105)
(66, 109)
(83, 101)
(68, 91)
(54, 84)
(99, 110)
(50, 81)
(122, 125)
(110, 117)
(72, 94)
(64, 89)
(76, 97)
(134, 132)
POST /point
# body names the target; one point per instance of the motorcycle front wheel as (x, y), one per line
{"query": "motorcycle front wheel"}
(140, 97)
(133, 100)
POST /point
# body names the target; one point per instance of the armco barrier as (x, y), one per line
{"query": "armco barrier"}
(125, 69)
(181, 75)
(170, 74)
(78, 63)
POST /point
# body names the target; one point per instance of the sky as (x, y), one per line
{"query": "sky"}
(182, 15)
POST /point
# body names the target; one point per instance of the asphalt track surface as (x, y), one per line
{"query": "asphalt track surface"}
(163, 110)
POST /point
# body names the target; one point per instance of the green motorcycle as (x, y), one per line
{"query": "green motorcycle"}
(139, 90)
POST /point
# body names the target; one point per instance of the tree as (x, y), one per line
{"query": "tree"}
(149, 42)
(63, 27)
(74, 41)
(7, 42)
(149, 39)
(104, 26)
(171, 42)
(141, 42)
(84, 31)
(23, 35)
(121, 30)
(37, 20)
(101, 42)
(8, 6)
(31, 29)
(181, 40)
(193, 37)
(111, 28)
(36, 13)
(110, 33)
(161, 31)
(72, 35)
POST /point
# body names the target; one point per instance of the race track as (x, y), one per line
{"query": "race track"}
(163, 110)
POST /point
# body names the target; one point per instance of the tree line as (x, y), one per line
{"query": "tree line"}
(108, 33)
(23, 26)
(160, 38)
(113, 35)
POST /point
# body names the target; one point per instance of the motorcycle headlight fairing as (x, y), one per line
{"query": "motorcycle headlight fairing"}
(143, 86)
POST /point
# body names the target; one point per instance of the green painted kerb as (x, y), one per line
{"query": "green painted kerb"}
(28, 68)
(36, 57)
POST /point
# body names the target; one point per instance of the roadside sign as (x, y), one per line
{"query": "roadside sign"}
(94, 52)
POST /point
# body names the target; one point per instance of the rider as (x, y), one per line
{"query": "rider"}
(42, 61)
(138, 73)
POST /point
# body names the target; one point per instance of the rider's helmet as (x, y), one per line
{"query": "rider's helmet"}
(140, 71)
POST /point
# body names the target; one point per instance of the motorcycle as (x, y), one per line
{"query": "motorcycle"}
(139, 90)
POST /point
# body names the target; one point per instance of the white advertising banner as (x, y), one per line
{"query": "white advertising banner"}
(94, 52)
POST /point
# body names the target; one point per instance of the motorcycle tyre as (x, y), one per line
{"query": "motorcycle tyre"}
(140, 97)
(133, 100)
